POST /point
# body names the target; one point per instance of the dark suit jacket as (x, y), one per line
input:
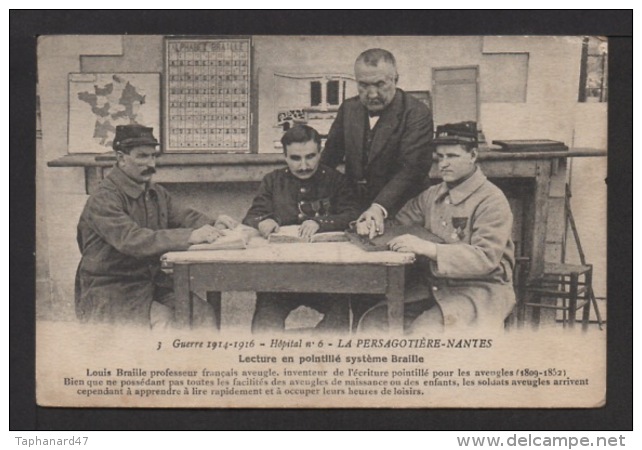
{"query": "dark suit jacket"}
(400, 155)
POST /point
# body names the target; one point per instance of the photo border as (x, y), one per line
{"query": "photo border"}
(26, 25)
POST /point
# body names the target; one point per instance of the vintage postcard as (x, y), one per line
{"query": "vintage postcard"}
(496, 145)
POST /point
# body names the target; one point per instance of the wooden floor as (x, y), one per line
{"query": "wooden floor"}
(238, 308)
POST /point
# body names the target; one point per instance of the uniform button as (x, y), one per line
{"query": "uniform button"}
(303, 190)
(435, 288)
(301, 216)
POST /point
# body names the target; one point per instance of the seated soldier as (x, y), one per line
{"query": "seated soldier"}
(318, 199)
(125, 227)
(465, 281)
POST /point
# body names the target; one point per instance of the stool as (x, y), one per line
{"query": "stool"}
(520, 273)
(570, 285)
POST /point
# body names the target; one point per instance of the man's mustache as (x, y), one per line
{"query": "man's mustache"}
(148, 171)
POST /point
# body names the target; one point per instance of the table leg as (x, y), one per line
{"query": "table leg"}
(183, 310)
(395, 295)
(214, 299)
(537, 218)
(572, 303)
(588, 294)
(540, 219)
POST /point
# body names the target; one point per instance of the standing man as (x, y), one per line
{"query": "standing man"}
(127, 224)
(384, 136)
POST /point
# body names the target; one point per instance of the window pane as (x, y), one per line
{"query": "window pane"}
(593, 70)
(315, 93)
(333, 92)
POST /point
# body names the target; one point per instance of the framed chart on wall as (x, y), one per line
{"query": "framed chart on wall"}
(207, 94)
(98, 102)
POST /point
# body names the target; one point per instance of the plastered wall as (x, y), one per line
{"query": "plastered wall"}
(550, 111)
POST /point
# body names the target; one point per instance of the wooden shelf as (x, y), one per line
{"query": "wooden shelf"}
(209, 159)
(241, 168)
(172, 159)
(493, 154)
(182, 168)
(79, 160)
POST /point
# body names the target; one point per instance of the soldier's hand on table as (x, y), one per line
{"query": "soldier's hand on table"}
(226, 222)
(370, 223)
(412, 244)
(206, 233)
(267, 227)
(308, 228)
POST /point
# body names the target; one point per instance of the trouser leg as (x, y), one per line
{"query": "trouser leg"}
(161, 317)
(431, 320)
(271, 310)
(203, 314)
(361, 303)
(335, 309)
(376, 319)
(161, 313)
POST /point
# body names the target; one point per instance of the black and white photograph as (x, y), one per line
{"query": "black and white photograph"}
(321, 221)
(266, 220)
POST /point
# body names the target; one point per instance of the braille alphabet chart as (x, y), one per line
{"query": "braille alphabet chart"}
(207, 94)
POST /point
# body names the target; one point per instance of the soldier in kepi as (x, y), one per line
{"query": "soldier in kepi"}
(126, 225)
(467, 280)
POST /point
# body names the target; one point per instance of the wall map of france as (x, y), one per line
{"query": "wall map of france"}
(100, 102)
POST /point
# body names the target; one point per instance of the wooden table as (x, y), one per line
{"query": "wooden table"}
(535, 170)
(338, 267)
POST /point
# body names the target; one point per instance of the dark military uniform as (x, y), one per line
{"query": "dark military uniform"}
(325, 198)
(123, 230)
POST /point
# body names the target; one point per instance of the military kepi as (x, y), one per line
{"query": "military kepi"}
(457, 133)
(131, 135)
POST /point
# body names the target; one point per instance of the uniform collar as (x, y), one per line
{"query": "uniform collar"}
(463, 190)
(127, 185)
